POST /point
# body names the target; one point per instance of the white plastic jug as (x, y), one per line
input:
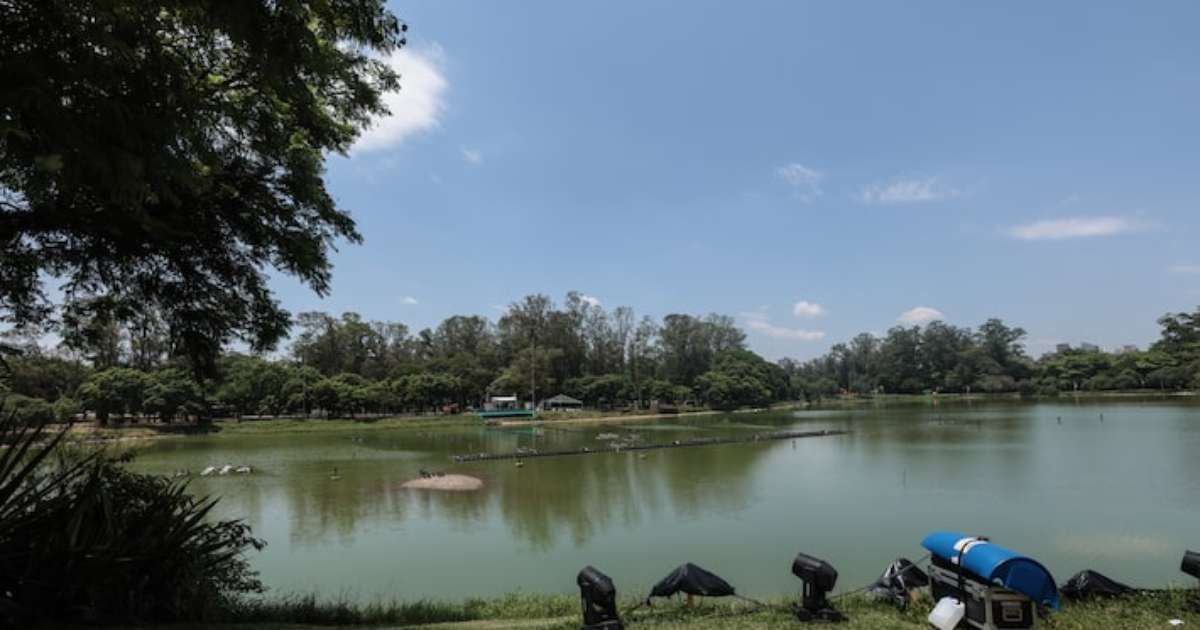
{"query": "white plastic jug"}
(947, 613)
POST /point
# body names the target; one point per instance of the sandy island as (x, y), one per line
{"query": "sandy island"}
(456, 483)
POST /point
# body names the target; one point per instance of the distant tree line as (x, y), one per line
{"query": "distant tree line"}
(345, 366)
(939, 357)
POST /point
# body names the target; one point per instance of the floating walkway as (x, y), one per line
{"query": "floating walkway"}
(618, 448)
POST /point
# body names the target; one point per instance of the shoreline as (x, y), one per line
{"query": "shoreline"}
(585, 419)
(535, 610)
(229, 427)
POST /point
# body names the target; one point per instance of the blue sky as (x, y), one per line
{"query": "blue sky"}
(818, 169)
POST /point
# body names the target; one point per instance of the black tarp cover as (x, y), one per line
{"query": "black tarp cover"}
(693, 580)
(1089, 584)
(900, 577)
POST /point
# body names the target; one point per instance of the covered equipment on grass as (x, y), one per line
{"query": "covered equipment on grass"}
(899, 579)
(998, 587)
(819, 578)
(599, 599)
(1089, 584)
(1191, 564)
(692, 580)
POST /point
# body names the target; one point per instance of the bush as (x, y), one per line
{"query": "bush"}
(65, 409)
(85, 540)
(1047, 387)
(29, 411)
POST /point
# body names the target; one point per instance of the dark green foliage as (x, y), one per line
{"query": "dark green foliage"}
(28, 411)
(84, 540)
(943, 358)
(173, 392)
(162, 154)
(46, 377)
(584, 351)
(740, 378)
(119, 391)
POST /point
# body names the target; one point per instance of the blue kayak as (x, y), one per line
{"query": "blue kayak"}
(995, 564)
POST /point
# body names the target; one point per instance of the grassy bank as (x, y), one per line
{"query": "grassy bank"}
(147, 430)
(909, 399)
(560, 612)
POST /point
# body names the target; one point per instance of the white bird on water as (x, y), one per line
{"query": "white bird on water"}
(226, 469)
(208, 471)
(244, 470)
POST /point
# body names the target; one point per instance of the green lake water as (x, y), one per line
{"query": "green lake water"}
(1113, 487)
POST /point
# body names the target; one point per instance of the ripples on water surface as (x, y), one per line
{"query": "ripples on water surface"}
(1120, 495)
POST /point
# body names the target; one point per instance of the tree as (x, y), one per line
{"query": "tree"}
(163, 155)
(47, 377)
(641, 358)
(524, 325)
(338, 395)
(115, 390)
(1180, 337)
(1002, 344)
(902, 367)
(297, 389)
(252, 385)
(688, 344)
(173, 392)
(742, 378)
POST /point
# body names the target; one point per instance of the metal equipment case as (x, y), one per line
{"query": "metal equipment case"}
(988, 606)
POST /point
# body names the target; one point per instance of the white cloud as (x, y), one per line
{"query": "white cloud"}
(807, 309)
(781, 332)
(590, 300)
(415, 107)
(472, 156)
(920, 315)
(1071, 227)
(409, 300)
(906, 190)
(1184, 269)
(805, 182)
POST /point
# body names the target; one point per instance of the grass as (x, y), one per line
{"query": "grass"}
(561, 612)
(309, 610)
(90, 431)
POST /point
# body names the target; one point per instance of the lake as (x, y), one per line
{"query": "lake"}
(1113, 487)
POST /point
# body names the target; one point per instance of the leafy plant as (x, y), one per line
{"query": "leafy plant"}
(84, 539)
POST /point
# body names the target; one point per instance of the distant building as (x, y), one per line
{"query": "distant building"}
(1089, 347)
(1062, 347)
(1127, 349)
(561, 402)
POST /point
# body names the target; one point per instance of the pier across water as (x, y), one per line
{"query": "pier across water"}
(617, 448)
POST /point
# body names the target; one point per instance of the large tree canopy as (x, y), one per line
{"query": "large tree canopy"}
(166, 154)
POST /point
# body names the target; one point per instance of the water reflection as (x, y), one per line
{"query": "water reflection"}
(1118, 496)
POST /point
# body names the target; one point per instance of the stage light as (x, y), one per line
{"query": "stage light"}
(599, 599)
(819, 578)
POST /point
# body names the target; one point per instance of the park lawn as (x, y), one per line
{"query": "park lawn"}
(560, 612)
